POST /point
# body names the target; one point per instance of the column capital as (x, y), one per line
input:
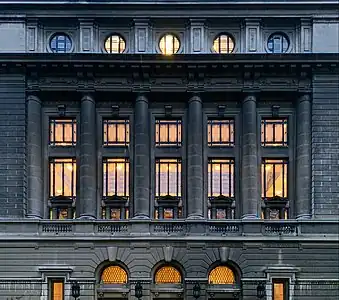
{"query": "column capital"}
(88, 97)
(33, 97)
(195, 97)
(141, 98)
(304, 97)
(250, 97)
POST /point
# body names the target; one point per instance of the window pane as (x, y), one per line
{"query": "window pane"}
(221, 178)
(115, 177)
(168, 133)
(274, 132)
(57, 290)
(116, 132)
(274, 178)
(221, 133)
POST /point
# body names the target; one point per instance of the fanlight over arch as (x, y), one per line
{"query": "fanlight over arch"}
(167, 274)
(221, 275)
(114, 275)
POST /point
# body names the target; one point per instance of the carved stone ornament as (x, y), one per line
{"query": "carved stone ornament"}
(112, 253)
(224, 253)
(168, 253)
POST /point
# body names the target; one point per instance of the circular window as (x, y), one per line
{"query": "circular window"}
(60, 43)
(278, 43)
(169, 44)
(115, 44)
(223, 43)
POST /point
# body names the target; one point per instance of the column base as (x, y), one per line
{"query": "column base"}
(32, 216)
(141, 217)
(304, 217)
(87, 217)
(249, 217)
(195, 217)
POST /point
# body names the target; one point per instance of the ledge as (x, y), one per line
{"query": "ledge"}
(207, 230)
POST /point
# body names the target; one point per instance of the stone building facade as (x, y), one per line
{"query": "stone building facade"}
(181, 145)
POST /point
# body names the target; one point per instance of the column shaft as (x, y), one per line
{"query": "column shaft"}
(303, 158)
(142, 158)
(35, 204)
(249, 170)
(88, 159)
(195, 190)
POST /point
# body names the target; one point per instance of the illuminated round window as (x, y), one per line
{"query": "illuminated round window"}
(221, 275)
(278, 43)
(60, 43)
(169, 44)
(114, 275)
(223, 43)
(115, 44)
(168, 274)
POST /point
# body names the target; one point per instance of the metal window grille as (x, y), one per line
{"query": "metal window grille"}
(221, 275)
(116, 177)
(61, 43)
(223, 44)
(274, 178)
(115, 44)
(62, 132)
(114, 275)
(168, 274)
(274, 132)
(63, 177)
(221, 132)
(278, 43)
(116, 132)
(169, 44)
(168, 133)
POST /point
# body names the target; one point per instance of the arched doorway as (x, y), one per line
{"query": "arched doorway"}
(113, 284)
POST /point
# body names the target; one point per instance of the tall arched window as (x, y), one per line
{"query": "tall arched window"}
(221, 275)
(114, 275)
(167, 274)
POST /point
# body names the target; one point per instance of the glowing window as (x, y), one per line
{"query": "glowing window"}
(114, 275)
(221, 177)
(62, 177)
(221, 275)
(62, 132)
(223, 43)
(57, 289)
(168, 133)
(168, 177)
(274, 132)
(278, 43)
(167, 274)
(169, 44)
(116, 132)
(115, 44)
(116, 177)
(274, 178)
(221, 133)
(60, 43)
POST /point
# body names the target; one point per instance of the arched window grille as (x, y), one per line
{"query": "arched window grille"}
(221, 275)
(169, 44)
(223, 44)
(114, 275)
(60, 43)
(167, 274)
(278, 43)
(115, 44)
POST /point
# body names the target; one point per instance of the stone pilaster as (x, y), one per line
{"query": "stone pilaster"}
(35, 201)
(249, 168)
(303, 158)
(197, 36)
(195, 190)
(253, 36)
(88, 159)
(142, 33)
(142, 159)
(87, 36)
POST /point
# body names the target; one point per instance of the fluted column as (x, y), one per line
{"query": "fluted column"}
(249, 168)
(303, 158)
(195, 191)
(35, 203)
(142, 159)
(88, 159)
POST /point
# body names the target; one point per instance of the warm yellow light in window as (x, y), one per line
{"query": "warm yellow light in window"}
(168, 274)
(278, 291)
(114, 275)
(69, 167)
(115, 44)
(216, 167)
(223, 44)
(169, 44)
(221, 275)
(57, 291)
